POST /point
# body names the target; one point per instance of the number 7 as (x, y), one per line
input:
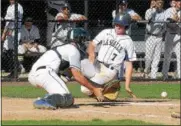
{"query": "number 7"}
(114, 56)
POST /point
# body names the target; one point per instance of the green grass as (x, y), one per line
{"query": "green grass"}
(62, 122)
(141, 90)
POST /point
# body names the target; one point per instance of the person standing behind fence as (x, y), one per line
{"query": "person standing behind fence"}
(154, 37)
(123, 8)
(9, 30)
(61, 29)
(172, 38)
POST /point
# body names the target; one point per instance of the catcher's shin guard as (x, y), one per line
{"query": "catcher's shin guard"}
(62, 101)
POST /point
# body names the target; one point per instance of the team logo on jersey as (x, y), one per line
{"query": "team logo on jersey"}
(120, 17)
(114, 44)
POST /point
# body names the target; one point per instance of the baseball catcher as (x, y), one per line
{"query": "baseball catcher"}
(44, 72)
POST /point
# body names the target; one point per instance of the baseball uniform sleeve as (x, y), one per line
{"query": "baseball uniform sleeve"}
(75, 16)
(149, 13)
(9, 16)
(100, 37)
(132, 12)
(179, 16)
(37, 33)
(74, 59)
(114, 14)
(23, 35)
(169, 13)
(130, 51)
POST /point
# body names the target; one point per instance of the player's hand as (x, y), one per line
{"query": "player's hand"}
(130, 93)
(82, 18)
(61, 16)
(98, 93)
(153, 4)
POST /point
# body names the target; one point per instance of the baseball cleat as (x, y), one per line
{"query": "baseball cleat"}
(43, 104)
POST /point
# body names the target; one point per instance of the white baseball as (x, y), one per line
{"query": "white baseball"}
(164, 94)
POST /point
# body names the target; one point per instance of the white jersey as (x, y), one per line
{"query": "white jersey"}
(10, 15)
(179, 16)
(52, 60)
(172, 27)
(29, 36)
(114, 49)
(61, 29)
(128, 11)
(153, 15)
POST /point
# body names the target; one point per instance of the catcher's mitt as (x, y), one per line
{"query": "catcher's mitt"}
(111, 90)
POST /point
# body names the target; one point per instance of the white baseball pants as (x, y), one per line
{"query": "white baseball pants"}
(101, 74)
(172, 43)
(153, 54)
(49, 80)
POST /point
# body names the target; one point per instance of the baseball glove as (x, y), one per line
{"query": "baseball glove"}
(111, 90)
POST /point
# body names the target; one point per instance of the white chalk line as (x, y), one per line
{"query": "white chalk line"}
(99, 112)
(127, 114)
(153, 104)
(137, 104)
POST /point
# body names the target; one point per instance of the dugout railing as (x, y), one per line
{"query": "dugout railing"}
(99, 17)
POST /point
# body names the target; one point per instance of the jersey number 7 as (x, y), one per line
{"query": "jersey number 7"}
(114, 56)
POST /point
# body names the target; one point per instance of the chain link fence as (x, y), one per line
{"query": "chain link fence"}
(15, 65)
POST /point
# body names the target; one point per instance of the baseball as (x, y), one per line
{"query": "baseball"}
(164, 94)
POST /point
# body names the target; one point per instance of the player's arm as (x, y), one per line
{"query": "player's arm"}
(83, 81)
(170, 15)
(3, 37)
(130, 58)
(128, 76)
(93, 44)
(91, 51)
(75, 64)
(78, 17)
(135, 16)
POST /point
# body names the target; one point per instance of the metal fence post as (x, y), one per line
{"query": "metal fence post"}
(16, 42)
(117, 6)
(86, 10)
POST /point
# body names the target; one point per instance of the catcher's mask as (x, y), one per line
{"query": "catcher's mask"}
(79, 37)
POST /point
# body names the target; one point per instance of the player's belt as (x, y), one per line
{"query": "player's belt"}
(41, 67)
(152, 34)
(173, 33)
(107, 65)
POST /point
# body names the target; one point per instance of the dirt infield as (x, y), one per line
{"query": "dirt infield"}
(88, 109)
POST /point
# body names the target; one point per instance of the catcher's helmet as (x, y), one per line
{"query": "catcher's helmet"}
(80, 37)
(122, 19)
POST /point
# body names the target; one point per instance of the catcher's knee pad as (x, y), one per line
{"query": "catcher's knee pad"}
(58, 100)
(85, 90)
